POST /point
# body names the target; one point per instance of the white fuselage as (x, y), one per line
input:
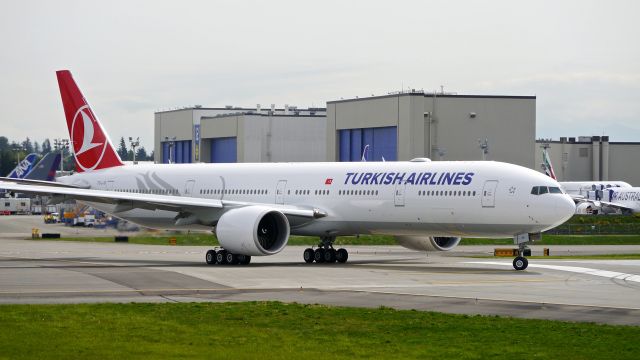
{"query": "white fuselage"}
(627, 197)
(483, 199)
(582, 188)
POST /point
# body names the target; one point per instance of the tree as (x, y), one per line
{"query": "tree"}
(151, 156)
(46, 147)
(36, 148)
(141, 154)
(122, 150)
(7, 162)
(4, 143)
(27, 145)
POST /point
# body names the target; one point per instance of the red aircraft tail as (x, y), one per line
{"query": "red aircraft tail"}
(90, 144)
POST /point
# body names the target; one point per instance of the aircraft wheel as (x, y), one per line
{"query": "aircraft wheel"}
(342, 255)
(318, 255)
(221, 257)
(308, 255)
(232, 259)
(244, 259)
(329, 256)
(211, 257)
(520, 263)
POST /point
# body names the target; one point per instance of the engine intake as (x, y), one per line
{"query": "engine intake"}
(428, 243)
(253, 230)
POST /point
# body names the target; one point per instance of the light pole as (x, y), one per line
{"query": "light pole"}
(61, 144)
(18, 149)
(134, 144)
(171, 140)
(484, 147)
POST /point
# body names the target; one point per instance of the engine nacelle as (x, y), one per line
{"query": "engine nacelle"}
(586, 208)
(428, 243)
(253, 230)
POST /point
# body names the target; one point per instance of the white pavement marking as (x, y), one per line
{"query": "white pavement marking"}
(575, 269)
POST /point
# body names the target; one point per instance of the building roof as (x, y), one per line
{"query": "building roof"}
(437, 95)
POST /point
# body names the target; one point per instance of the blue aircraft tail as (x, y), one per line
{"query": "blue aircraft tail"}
(46, 168)
(24, 167)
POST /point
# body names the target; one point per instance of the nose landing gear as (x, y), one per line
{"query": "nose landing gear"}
(521, 262)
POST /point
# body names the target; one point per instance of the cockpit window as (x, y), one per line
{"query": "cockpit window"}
(539, 190)
(555, 190)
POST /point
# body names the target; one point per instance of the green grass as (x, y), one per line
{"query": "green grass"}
(604, 219)
(202, 239)
(564, 240)
(291, 331)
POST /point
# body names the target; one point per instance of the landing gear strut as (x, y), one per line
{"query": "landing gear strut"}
(521, 262)
(325, 253)
(223, 257)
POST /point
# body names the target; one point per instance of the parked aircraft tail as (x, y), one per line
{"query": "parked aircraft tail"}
(24, 167)
(91, 146)
(546, 164)
(46, 168)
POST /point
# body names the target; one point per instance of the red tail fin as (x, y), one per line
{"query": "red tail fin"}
(90, 144)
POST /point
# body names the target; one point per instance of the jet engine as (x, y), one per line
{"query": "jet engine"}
(586, 208)
(428, 243)
(253, 230)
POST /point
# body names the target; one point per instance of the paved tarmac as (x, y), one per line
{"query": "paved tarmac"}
(603, 291)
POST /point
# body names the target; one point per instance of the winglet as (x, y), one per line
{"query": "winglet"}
(90, 144)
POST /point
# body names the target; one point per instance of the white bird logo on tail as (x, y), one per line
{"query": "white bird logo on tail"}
(87, 138)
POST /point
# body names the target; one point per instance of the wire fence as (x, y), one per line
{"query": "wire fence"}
(596, 229)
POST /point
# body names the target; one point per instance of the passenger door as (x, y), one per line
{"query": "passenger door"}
(188, 187)
(399, 194)
(489, 193)
(280, 189)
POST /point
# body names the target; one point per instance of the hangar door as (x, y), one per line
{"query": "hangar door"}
(224, 150)
(368, 144)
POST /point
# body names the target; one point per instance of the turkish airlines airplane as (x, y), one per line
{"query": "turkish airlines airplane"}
(253, 208)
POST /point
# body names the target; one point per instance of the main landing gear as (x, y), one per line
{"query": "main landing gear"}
(223, 257)
(521, 262)
(325, 253)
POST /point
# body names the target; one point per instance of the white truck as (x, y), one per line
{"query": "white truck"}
(11, 206)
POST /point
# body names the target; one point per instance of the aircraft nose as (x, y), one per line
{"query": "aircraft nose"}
(565, 208)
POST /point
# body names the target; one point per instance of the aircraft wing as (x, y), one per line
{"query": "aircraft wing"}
(605, 204)
(578, 198)
(128, 201)
(614, 205)
(36, 182)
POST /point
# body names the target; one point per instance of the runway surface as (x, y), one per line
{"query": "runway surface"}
(604, 291)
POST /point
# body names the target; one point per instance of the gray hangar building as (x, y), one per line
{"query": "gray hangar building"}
(399, 126)
(591, 158)
(232, 134)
